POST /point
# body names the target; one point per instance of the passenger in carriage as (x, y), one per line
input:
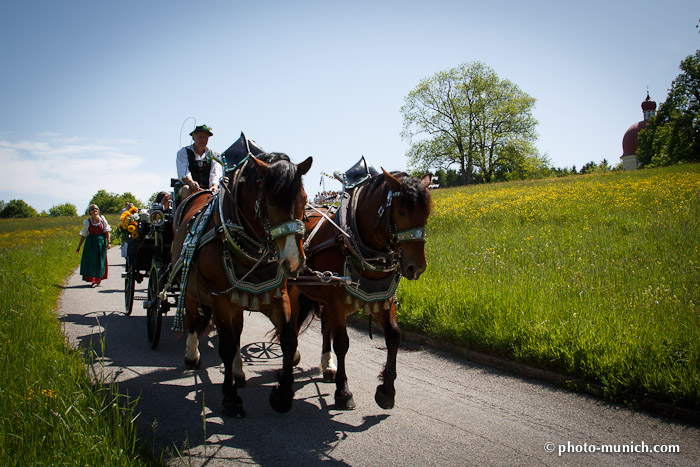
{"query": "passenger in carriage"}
(197, 165)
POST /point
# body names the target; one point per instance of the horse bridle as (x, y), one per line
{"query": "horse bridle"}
(416, 234)
(265, 248)
(392, 257)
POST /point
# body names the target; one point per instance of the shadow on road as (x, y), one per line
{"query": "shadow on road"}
(180, 409)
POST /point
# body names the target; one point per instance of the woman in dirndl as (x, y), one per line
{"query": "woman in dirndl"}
(95, 234)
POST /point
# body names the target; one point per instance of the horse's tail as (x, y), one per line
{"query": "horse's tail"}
(308, 309)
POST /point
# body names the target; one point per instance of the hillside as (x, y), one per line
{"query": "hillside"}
(595, 276)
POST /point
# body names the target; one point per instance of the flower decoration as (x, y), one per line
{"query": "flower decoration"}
(129, 224)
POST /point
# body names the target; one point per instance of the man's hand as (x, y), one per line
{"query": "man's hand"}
(194, 186)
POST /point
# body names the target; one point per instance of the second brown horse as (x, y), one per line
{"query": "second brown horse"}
(375, 237)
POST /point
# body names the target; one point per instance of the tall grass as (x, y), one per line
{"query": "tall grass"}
(51, 411)
(597, 276)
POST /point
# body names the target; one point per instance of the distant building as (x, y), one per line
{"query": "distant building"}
(630, 161)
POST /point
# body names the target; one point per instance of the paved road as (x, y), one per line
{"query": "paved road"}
(449, 412)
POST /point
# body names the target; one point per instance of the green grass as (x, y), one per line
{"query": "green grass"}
(595, 276)
(51, 411)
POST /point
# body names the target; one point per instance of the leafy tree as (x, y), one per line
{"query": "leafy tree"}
(18, 208)
(673, 135)
(524, 162)
(66, 209)
(507, 134)
(467, 116)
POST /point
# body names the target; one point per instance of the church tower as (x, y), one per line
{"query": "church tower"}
(629, 141)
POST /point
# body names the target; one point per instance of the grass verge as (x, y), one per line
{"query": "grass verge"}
(51, 411)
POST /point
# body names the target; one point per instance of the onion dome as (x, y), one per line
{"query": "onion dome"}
(629, 141)
(649, 105)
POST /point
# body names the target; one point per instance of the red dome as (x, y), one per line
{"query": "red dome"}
(648, 104)
(629, 141)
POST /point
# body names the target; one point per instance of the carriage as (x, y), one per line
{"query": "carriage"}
(148, 257)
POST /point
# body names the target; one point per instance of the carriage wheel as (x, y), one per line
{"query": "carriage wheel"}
(154, 318)
(129, 286)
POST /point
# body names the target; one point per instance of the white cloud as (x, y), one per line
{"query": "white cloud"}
(55, 170)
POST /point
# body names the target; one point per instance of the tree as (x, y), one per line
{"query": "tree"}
(18, 208)
(589, 168)
(673, 135)
(112, 202)
(467, 116)
(507, 131)
(66, 209)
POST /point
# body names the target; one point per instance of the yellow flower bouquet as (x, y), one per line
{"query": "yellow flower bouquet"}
(129, 224)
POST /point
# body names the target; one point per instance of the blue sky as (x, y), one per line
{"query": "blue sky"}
(95, 93)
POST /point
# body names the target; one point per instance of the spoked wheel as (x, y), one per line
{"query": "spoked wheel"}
(129, 286)
(154, 318)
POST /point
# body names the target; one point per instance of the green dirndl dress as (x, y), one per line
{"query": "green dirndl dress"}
(93, 264)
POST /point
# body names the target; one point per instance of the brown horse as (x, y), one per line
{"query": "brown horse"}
(375, 237)
(248, 246)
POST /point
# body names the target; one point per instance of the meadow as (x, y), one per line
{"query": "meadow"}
(594, 276)
(52, 412)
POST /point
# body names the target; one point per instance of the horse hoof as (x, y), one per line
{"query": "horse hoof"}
(344, 400)
(280, 400)
(383, 400)
(240, 382)
(297, 358)
(328, 376)
(233, 408)
(193, 364)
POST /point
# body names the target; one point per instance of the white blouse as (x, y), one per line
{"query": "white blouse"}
(86, 225)
(183, 170)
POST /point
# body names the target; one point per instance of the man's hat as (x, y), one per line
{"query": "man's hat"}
(204, 128)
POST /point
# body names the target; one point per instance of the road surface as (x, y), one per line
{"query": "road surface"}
(449, 411)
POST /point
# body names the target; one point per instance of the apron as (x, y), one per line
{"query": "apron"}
(93, 265)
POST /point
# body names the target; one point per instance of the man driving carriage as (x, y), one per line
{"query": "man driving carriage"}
(198, 167)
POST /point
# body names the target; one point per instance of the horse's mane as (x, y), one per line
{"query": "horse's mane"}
(280, 183)
(413, 191)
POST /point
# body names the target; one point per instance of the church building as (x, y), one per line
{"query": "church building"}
(629, 157)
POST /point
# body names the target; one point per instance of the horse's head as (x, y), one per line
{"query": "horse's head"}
(282, 199)
(410, 208)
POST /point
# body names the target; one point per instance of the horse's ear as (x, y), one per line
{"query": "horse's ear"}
(426, 179)
(305, 166)
(262, 167)
(393, 182)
